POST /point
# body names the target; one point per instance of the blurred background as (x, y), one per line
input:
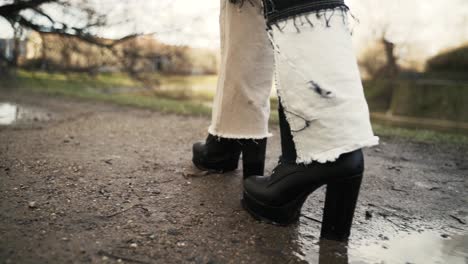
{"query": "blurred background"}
(163, 55)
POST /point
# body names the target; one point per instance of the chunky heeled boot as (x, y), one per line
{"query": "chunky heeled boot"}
(278, 198)
(222, 155)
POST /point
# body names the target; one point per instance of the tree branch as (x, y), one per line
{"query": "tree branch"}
(13, 9)
(73, 32)
(42, 13)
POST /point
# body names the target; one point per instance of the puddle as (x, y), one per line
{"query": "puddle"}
(427, 247)
(8, 113)
(11, 114)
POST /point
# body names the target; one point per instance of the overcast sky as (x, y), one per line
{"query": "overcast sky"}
(423, 27)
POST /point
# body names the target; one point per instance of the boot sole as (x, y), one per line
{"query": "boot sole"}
(275, 215)
(338, 206)
(220, 167)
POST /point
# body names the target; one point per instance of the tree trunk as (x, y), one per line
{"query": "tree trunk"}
(391, 69)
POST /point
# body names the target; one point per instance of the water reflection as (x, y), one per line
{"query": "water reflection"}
(333, 252)
(13, 114)
(427, 247)
(380, 245)
(8, 113)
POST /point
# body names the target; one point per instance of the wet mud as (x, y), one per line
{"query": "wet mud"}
(84, 182)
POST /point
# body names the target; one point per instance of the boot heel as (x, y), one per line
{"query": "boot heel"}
(228, 165)
(253, 157)
(340, 203)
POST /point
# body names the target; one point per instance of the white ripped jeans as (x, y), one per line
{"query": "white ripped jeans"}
(316, 77)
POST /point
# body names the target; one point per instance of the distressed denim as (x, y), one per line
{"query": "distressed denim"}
(316, 77)
(241, 106)
(276, 10)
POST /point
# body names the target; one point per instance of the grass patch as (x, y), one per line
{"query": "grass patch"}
(420, 98)
(187, 80)
(171, 101)
(74, 81)
(87, 87)
(420, 135)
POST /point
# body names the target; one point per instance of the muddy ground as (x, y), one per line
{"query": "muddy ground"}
(84, 182)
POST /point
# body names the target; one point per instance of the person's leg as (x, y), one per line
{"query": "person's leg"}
(323, 103)
(288, 148)
(241, 106)
(320, 88)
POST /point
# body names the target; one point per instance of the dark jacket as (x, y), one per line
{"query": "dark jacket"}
(276, 10)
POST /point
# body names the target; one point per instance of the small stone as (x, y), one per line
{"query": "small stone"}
(104, 258)
(383, 237)
(32, 205)
(444, 236)
(173, 232)
(181, 244)
(133, 245)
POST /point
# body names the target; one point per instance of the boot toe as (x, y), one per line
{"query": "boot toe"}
(197, 148)
(197, 157)
(256, 187)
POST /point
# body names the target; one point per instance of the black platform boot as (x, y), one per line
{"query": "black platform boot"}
(278, 198)
(222, 155)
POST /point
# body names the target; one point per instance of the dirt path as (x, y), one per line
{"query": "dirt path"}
(85, 182)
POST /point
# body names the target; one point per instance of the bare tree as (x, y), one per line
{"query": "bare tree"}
(33, 15)
(382, 49)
